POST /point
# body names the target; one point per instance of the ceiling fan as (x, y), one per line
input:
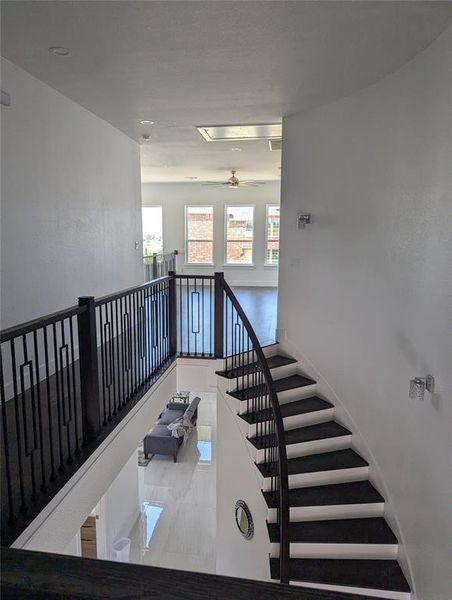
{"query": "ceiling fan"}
(234, 182)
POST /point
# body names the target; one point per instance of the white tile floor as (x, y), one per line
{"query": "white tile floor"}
(177, 527)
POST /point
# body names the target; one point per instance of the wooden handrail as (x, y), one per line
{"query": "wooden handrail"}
(45, 576)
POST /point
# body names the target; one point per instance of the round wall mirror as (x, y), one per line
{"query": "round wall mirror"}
(244, 519)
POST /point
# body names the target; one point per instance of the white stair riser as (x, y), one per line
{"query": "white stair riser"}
(370, 551)
(322, 478)
(312, 418)
(296, 393)
(239, 383)
(339, 511)
(285, 371)
(354, 590)
(247, 381)
(271, 350)
(246, 357)
(316, 446)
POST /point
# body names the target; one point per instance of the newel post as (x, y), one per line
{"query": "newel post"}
(172, 314)
(154, 266)
(89, 374)
(219, 315)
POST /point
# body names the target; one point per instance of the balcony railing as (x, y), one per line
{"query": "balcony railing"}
(67, 379)
(159, 265)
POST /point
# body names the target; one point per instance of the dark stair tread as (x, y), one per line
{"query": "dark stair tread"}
(320, 431)
(281, 385)
(363, 573)
(355, 492)
(315, 463)
(289, 409)
(371, 530)
(278, 360)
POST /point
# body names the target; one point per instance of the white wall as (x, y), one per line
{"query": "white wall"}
(71, 202)
(366, 292)
(118, 509)
(174, 196)
(55, 527)
(238, 479)
(74, 548)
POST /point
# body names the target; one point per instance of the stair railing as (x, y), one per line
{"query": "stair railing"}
(246, 361)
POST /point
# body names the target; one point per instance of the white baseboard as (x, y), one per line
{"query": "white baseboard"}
(251, 283)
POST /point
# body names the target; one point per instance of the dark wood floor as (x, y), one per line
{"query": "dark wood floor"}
(195, 331)
(260, 306)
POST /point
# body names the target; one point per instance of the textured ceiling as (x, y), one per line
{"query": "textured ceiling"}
(187, 63)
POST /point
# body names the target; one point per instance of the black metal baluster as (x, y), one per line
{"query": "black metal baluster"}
(162, 325)
(142, 294)
(58, 396)
(29, 452)
(132, 343)
(112, 359)
(67, 418)
(188, 314)
(74, 389)
(247, 371)
(138, 338)
(38, 395)
(232, 337)
(149, 331)
(158, 325)
(124, 333)
(211, 319)
(49, 405)
(23, 505)
(146, 333)
(11, 515)
(107, 337)
(118, 357)
(103, 368)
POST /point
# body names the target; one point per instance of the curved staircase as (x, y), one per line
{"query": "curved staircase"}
(339, 538)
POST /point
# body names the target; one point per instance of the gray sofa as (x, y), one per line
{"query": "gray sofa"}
(160, 439)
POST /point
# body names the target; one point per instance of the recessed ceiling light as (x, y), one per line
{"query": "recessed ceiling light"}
(59, 50)
(236, 149)
(146, 122)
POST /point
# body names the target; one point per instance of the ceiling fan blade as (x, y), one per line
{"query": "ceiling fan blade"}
(214, 183)
(252, 181)
(249, 184)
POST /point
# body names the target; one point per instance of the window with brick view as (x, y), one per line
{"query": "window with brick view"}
(239, 235)
(199, 234)
(272, 235)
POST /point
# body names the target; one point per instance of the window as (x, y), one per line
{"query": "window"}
(272, 235)
(199, 234)
(152, 230)
(239, 235)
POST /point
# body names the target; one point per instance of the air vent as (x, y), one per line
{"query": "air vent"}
(274, 144)
(238, 133)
